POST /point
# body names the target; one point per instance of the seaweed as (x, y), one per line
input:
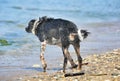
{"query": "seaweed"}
(4, 42)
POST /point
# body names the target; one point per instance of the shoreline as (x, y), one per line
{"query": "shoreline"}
(101, 67)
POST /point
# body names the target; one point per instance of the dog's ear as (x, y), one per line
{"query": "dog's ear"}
(40, 19)
(44, 18)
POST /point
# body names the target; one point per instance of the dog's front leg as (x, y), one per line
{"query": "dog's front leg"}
(44, 64)
(65, 60)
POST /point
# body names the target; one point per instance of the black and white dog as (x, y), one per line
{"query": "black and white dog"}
(58, 32)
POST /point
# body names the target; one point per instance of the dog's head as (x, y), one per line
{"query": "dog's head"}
(32, 25)
(83, 34)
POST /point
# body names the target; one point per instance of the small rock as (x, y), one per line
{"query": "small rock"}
(61, 64)
(36, 65)
(115, 74)
(118, 68)
(61, 71)
(115, 50)
(19, 78)
(75, 80)
(55, 77)
(35, 77)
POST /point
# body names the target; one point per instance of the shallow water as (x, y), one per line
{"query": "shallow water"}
(100, 17)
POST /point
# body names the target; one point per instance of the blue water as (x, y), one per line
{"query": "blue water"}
(100, 17)
(20, 11)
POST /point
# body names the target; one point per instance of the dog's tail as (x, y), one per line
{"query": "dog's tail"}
(82, 34)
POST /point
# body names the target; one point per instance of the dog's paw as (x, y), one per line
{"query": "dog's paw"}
(73, 67)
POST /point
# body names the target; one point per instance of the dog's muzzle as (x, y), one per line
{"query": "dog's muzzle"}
(27, 30)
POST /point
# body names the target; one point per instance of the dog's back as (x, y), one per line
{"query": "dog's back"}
(55, 30)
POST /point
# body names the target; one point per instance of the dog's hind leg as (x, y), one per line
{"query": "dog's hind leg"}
(67, 56)
(77, 49)
(44, 64)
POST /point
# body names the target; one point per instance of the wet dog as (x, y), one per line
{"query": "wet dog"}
(58, 32)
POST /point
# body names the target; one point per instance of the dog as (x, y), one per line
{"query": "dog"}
(59, 32)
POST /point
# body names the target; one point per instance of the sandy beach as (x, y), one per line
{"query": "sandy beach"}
(102, 67)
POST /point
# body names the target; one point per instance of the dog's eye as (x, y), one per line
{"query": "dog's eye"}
(30, 24)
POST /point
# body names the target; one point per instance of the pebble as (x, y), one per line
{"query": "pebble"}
(107, 80)
(75, 80)
(35, 77)
(61, 71)
(61, 64)
(19, 78)
(115, 74)
(36, 65)
(55, 77)
(115, 50)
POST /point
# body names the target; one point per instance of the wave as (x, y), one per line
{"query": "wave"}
(34, 8)
(8, 21)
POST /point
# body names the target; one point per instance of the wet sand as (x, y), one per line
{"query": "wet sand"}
(102, 67)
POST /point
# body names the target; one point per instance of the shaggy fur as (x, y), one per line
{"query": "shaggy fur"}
(58, 32)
